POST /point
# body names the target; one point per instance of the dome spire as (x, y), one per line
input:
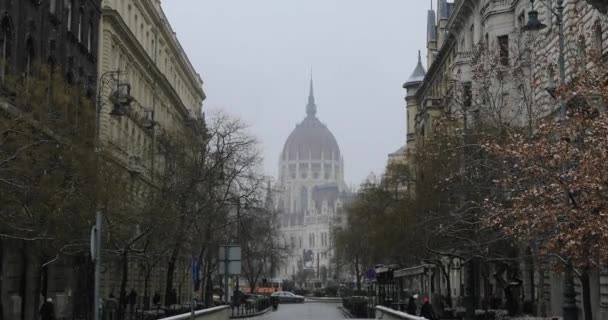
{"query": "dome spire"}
(418, 74)
(311, 107)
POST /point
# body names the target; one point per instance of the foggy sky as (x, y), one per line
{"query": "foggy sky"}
(255, 58)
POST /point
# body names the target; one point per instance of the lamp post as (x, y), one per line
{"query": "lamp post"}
(535, 25)
(120, 99)
(569, 304)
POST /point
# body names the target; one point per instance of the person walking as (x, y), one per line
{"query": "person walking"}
(132, 301)
(426, 311)
(156, 299)
(411, 306)
(111, 307)
(47, 310)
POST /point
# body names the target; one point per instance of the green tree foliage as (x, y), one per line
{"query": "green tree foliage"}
(47, 170)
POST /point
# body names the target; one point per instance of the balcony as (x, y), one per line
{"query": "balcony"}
(496, 6)
(135, 165)
(464, 57)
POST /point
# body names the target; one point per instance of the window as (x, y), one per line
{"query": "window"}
(80, 15)
(466, 94)
(582, 45)
(503, 47)
(53, 6)
(597, 38)
(90, 37)
(69, 15)
(6, 42)
(472, 37)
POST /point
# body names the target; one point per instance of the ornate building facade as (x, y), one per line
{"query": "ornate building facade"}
(137, 40)
(456, 33)
(312, 193)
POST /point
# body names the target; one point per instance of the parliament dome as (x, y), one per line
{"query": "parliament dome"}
(311, 139)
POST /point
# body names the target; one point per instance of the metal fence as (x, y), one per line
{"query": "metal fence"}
(250, 307)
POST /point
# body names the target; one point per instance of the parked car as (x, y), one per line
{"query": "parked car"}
(285, 296)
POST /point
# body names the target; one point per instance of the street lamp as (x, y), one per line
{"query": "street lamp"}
(535, 25)
(569, 305)
(120, 99)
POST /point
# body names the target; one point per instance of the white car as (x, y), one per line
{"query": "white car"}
(285, 296)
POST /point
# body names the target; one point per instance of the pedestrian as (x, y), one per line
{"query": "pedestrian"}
(173, 296)
(132, 301)
(426, 311)
(111, 307)
(124, 300)
(156, 299)
(411, 306)
(47, 310)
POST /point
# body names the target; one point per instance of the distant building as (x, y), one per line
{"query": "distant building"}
(312, 192)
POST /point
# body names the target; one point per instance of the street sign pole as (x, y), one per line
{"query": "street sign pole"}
(96, 255)
(226, 265)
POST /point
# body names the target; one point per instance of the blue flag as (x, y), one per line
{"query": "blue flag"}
(196, 270)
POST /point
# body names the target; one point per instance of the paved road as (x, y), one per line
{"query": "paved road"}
(304, 311)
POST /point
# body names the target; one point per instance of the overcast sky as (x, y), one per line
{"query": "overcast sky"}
(255, 58)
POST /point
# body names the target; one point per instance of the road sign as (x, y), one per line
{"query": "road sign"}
(234, 253)
(230, 255)
(234, 267)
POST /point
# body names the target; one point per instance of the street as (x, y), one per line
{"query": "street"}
(301, 311)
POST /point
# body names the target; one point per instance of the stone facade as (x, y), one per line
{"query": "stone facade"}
(454, 36)
(312, 192)
(62, 33)
(138, 41)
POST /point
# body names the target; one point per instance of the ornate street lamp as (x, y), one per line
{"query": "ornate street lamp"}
(120, 99)
(569, 304)
(533, 23)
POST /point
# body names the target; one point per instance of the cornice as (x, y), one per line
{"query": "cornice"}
(163, 23)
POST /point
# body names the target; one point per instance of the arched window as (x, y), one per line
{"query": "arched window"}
(69, 15)
(6, 42)
(304, 200)
(90, 37)
(80, 17)
(597, 38)
(53, 6)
